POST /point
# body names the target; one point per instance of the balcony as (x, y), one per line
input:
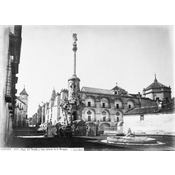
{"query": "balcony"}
(8, 98)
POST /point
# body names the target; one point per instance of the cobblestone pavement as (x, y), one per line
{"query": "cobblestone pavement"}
(33, 139)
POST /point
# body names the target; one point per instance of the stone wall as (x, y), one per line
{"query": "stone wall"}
(150, 123)
(5, 120)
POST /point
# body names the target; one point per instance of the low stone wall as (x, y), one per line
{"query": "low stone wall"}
(150, 123)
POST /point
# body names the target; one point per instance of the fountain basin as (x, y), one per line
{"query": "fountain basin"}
(131, 140)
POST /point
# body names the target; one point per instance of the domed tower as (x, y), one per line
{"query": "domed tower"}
(158, 91)
(74, 81)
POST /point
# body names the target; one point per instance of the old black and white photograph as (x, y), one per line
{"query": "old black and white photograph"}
(92, 87)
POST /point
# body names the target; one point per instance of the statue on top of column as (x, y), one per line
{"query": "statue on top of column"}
(75, 37)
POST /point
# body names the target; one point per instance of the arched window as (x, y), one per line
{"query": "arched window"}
(89, 118)
(130, 104)
(89, 112)
(89, 115)
(105, 116)
(90, 102)
(118, 116)
(104, 103)
(118, 104)
(117, 113)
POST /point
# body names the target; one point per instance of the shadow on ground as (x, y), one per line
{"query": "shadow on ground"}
(88, 143)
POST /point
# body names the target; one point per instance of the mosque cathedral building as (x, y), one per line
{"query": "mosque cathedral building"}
(106, 108)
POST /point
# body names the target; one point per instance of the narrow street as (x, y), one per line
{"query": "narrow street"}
(30, 138)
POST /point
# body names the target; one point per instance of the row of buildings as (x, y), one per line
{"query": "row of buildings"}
(48, 112)
(104, 108)
(10, 49)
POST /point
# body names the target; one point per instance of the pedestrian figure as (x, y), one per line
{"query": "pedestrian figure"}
(129, 132)
(88, 133)
(49, 130)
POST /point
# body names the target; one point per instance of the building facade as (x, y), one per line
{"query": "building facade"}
(10, 48)
(21, 110)
(107, 107)
(103, 108)
(48, 112)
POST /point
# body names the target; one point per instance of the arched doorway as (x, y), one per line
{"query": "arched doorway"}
(105, 126)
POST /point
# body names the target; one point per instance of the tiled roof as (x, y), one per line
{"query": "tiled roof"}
(23, 92)
(96, 90)
(142, 110)
(155, 85)
(118, 88)
(18, 98)
(120, 91)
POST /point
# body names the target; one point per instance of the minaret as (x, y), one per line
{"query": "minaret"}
(74, 81)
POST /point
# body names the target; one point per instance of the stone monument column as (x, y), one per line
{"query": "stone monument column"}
(74, 81)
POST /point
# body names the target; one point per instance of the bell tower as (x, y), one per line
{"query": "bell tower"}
(74, 81)
(24, 97)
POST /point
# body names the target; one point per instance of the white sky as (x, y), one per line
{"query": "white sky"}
(106, 55)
